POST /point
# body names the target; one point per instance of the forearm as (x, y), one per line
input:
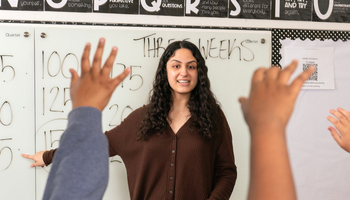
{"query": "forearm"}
(271, 176)
(80, 166)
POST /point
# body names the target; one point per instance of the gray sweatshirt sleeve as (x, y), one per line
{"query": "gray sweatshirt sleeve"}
(80, 166)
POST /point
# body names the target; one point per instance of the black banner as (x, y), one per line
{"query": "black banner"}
(117, 6)
(68, 5)
(33, 5)
(297, 10)
(292, 10)
(339, 11)
(250, 9)
(207, 8)
(162, 7)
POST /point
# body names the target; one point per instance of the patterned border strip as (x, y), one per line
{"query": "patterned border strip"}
(2, 21)
(281, 34)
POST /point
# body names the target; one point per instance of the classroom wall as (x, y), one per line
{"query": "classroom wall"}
(34, 21)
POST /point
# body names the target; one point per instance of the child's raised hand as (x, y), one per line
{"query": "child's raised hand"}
(95, 87)
(341, 132)
(271, 100)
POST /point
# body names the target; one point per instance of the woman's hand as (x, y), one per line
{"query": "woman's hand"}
(341, 132)
(38, 158)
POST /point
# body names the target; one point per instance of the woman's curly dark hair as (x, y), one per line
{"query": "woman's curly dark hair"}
(202, 104)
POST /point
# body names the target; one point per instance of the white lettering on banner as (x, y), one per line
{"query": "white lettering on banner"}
(57, 5)
(290, 5)
(98, 3)
(238, 8)
(192, 6)
(328, 13)
(13, 3)
(155, 5)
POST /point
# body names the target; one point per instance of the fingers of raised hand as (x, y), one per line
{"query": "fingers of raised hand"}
(335, 135)
(109, 63)
(285, 74)
(338, 125)
(96, 64)
(258, 75)
(299, 81)
(242, 100)
(272, 73)
(344, 112)
(342, 118)
(74, 78)
(117, 80)
(85, 60)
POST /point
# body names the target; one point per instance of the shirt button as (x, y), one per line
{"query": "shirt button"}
(173, 151)
(170, 192)
(171, 178)
(172, 164)
(174, 137)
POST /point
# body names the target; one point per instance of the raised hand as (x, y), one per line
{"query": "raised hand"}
(95, 87)
(271, 100)
(341, 132)
(267, 111)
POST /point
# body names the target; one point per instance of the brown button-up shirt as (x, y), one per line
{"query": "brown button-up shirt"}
(177, 166)
(181, 166)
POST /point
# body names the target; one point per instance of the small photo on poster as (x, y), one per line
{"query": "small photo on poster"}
(329, 11)
(69, 5)
(322, 58)
(162, 7)
(298, 10)
(250, 9)
(207, 8)
(30, 5)
(117, 6)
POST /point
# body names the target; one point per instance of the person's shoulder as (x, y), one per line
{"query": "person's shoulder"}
(219, 112)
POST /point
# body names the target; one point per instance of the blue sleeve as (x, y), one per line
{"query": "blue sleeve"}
(80, 166)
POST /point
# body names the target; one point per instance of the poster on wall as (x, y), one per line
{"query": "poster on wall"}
(69, 5)
(162, 7)
(30, 5)
(250, 9)
(117, 6)
(337, 11)
(292, 10)
(207, 8)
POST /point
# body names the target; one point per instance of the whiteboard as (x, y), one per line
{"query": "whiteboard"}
(320, 167)
(16, 112)
(231, 56)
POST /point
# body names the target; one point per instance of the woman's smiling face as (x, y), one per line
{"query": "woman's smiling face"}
(182, 72)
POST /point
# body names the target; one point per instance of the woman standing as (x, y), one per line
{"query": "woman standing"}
(179, 146)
